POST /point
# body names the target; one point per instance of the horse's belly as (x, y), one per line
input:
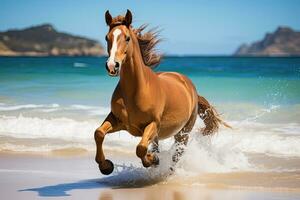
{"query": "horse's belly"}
(166, 132)
(171, 126)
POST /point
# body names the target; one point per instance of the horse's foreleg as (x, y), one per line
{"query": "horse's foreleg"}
(110, 124)
(149, 135)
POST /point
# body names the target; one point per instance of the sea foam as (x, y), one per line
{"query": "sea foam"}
(247, 137)
(228, 150)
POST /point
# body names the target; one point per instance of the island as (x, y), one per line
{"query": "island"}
(45, 40)
(283, 42)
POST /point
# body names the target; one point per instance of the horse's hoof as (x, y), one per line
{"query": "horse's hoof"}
(151, 159)
(107, 167)
(146, 163)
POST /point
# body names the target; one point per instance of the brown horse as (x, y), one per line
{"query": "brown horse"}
(150, 105)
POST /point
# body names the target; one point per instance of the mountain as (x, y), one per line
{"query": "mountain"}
(283, 42)
(45, 40)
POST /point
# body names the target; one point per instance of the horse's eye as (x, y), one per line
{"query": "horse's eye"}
(127, 39)
(106, 38)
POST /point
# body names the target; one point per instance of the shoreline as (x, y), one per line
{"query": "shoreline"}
(73, 176)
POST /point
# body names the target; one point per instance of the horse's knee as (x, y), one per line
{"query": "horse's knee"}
(141, 151)
(99, 135)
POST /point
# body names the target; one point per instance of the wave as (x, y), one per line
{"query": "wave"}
(241, 112)
(227, 151)
(49, 108)
(34, 127)
(250, 137)
(4, 107)
(78, 64)
(264, 114)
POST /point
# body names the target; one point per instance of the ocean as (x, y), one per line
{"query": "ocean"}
(53, 103)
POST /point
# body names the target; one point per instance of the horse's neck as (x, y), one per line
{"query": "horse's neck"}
(134, 75)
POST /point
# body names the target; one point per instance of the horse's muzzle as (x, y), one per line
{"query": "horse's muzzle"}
(113, 69)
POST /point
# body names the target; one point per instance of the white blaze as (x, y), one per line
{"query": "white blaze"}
(111, 59)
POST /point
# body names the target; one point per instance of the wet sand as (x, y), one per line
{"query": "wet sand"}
(64, 175)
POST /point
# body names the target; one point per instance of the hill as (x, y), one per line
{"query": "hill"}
(45, 40)
(283, 42)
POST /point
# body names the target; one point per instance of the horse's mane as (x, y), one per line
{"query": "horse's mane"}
(147, 42)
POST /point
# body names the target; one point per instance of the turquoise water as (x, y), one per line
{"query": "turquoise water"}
(83, 80)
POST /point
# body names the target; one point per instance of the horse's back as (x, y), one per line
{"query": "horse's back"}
(178, 82)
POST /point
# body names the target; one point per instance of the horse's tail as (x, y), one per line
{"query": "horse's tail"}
(210, 117)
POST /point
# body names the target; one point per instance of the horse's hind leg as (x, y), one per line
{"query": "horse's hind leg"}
(181, 138)
(154, 146)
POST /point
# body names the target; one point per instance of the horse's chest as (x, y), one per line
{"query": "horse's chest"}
(132, 117)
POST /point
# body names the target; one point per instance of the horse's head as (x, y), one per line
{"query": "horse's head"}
(118, 40)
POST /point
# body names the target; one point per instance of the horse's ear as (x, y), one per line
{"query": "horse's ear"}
(128, 18)
(108, 18)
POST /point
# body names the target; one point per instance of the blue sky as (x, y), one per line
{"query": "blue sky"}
(189, 27)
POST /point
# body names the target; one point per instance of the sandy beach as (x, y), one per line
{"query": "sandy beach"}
(33, 176)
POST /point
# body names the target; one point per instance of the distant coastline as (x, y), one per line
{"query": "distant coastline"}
(45, 40)
(282, 42)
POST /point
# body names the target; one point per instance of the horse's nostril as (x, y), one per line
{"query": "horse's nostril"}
(117, 65)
